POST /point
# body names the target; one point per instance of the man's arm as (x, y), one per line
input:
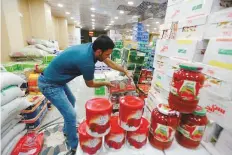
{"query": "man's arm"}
(117, 67)
(95, 84)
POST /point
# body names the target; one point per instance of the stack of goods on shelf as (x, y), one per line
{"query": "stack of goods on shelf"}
(119, 44)
(123, 86)
(33, 84)
(101, 91)
(33, 115)
(139, 34)
(101, 67)
(199, 34)
(115, 35)
(12, 103)
(116, 55)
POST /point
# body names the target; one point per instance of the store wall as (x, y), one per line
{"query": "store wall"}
(13, 28)
(63, 33)
(55, 27)
(25, 19)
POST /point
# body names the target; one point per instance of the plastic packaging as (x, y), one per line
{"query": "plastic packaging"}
(130, 112)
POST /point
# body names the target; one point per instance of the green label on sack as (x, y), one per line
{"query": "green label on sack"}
(196, 7)
(182, 51)
(225, 52)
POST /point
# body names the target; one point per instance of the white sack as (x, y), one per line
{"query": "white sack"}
(10, 93)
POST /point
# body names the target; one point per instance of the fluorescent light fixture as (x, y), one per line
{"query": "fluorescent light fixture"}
(92, 9)
(157, 22)
(93, 19)
(122, 12)
(115, 17)
(67, 13)
(147, 25)
(60, 5)
(130, 3)
(92, 15)
(71, 18)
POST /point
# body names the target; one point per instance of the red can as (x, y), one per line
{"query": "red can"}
(98, 113)
(137, 139)
(130, 112)
(116, 137)
(191, 129)
(185, 87)
(88, 144)
(164, 122)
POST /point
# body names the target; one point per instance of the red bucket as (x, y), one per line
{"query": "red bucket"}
(137, 139)
(98, 113)
(88, 144)
(130, 112)
(116, 137)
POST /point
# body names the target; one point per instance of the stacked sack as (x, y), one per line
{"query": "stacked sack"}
(12, 103)
(129, 125)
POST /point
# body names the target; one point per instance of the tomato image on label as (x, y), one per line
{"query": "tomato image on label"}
(188, 89)
(163, 133)
(99, 124)
(192, 132)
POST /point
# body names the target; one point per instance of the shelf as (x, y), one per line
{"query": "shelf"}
(175, 149)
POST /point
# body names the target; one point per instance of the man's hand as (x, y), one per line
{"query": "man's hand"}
(108, 84)
(128, 74)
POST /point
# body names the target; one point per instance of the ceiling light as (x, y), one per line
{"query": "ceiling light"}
(148, 25)
(75, 21)
(127, 31)
(71, 18)
(122, 12)
(130, 3)
(110, 24)
(147, 30)
(115, 17)
(157, 22)
(67, 13)
(92, 9)
(112, 21)
(93, 19)
(155, 28)
(92, 15)
(60, 5)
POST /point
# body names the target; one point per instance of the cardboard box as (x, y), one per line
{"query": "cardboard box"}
(162, 47)
(196, 8)
(218, 108)
(160, 62)
(174, 12)
(224, 142)
(219, 24)
(219, 53)
(161, 80)
(189, 50)
(173, 65)
(173, 2)
(192, 28)
(218, 80)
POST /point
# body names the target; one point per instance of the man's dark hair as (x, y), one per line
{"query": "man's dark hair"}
(103, 42)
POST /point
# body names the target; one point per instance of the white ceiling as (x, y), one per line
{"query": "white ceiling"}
(105, 12)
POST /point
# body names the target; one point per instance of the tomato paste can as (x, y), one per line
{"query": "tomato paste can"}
(138, 139)
(98, 111)
(116, 138)
(88, 144)
(130, 112)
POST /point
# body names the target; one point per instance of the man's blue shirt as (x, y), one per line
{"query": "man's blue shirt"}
(72, 62)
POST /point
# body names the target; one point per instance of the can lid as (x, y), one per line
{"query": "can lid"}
(166, 110)
(189, 66)
(131, 101)
(98, 104)
(199, 111)
(115, 128)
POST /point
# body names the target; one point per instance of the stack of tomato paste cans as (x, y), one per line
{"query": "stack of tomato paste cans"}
(128, 126)
(183, 118)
